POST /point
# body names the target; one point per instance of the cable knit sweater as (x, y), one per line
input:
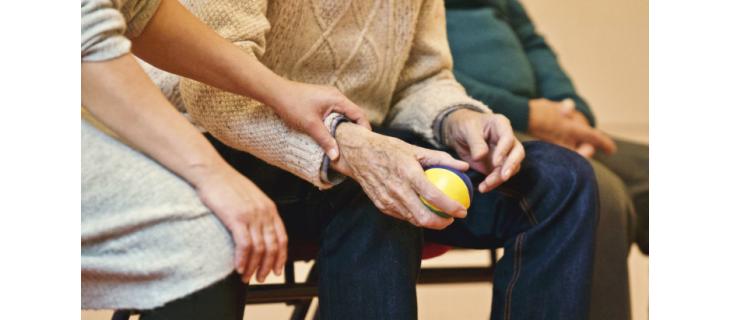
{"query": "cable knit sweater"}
(389, 57)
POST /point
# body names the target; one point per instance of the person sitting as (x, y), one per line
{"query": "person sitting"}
(168, 228)
(392, 59)
(504, 62)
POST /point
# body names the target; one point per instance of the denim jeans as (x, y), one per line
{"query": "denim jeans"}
(545, 218)
(368, 262)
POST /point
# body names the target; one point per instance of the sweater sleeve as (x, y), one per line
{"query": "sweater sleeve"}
(239, 121)
(106, 26)
(500, 100)
(426, 87)
(102, 31)
(553, 83)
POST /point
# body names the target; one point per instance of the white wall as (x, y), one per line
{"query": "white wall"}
(604, 46)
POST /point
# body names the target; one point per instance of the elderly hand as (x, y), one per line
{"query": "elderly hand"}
(390, 172)
(252, 219)
(560, 123)
(304, 106)
(487, 143)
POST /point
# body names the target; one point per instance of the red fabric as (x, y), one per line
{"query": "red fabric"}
(433, 250)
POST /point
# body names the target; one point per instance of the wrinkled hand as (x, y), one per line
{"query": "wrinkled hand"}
(390, 172)
(251, 217)
(487, 143)
(304, 107)
(560, 123)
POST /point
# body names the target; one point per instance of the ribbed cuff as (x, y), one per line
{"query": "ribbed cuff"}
(328, 176)
(438, 127)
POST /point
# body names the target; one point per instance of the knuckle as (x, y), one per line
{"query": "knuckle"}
(245, 245)
(283, 241)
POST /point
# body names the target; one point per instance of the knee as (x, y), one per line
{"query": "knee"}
(563, 168)
(560, 179)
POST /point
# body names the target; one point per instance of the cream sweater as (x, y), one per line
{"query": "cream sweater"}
(389, 57)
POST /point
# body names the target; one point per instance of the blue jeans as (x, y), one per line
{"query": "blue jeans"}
(357, 243)
(545, 218)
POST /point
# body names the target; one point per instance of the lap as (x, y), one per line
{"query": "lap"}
(146, 238)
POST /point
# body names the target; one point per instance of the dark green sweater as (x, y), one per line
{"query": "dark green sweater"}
(501, 60)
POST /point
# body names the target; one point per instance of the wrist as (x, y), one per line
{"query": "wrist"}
(452, 121)
(199, 173)
(349, 137)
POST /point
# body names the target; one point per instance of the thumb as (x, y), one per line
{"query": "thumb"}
(324, 139)
(350, 110)
(567, 106)
(586, 150)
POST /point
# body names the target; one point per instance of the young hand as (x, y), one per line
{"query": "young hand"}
(252, 219)
(304, 106)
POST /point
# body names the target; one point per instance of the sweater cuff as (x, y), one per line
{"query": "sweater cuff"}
(438, 127)
(331, 177)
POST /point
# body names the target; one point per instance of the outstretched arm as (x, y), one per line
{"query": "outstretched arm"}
(176, 41)
(116, 91)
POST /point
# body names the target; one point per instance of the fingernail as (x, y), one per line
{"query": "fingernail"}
(332, 153)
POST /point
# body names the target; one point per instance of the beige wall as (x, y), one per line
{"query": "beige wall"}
(604, 46)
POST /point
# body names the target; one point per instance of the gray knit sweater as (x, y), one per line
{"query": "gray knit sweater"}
(146, 238)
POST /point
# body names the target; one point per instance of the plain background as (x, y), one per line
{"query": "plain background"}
(604, 47)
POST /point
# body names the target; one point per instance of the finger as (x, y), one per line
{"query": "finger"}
(242, 239)
(425, 217)
(257, 252)
(323, 138)
(586, 150)
(597, 139)
(435, 197)
(567, 106)
(272, 252)
(478, 148)
(492, 180)
(353, 112)
(505, 143)
(283, 243)
(511, 165)
(427, 158)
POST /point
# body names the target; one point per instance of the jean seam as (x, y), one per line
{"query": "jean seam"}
(526, 208)
(515, 276)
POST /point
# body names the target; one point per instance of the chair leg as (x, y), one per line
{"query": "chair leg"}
(302, 307)
(493, 256)
(121, 315)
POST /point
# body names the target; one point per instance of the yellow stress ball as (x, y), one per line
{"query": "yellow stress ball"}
(454, 183)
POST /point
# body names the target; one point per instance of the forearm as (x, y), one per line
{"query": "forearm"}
(176, 41)
(119, 94)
